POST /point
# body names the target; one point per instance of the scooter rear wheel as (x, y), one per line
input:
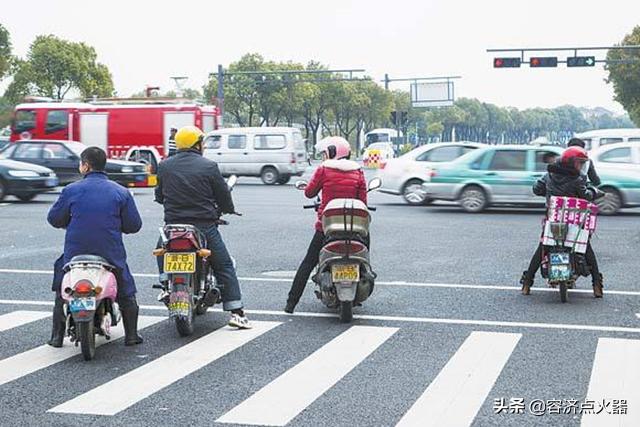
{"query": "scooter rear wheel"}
(563, 291)
(87, 336)
(346, 311)
(184, 324)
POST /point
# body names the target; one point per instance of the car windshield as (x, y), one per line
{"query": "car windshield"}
(377, 137)
(378, 146)
(75, 147)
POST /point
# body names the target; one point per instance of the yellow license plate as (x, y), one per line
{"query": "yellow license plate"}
(152, 180)
(180, 262)
(345, 272)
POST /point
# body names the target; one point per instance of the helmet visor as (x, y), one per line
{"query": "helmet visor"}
(584, 167)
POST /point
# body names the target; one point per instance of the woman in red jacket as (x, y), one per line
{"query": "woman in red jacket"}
(337, 178)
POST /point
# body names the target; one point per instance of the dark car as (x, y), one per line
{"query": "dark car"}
(24, 180)
(63, 157)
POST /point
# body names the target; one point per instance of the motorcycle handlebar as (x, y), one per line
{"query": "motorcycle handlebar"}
(310, 207)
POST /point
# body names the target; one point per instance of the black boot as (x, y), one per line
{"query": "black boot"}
(129, 310)
(289, 307)
(526, 283)
(597, 285)
(59, 324)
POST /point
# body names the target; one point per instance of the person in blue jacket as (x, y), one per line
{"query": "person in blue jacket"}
(95, 212)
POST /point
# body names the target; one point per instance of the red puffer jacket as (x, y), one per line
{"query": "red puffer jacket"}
(337, 179)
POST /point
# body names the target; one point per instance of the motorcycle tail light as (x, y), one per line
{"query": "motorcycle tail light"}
(340, 212)
(83, 287)
(383, 165)
(178, 280)
(180, 244)
(343, 247)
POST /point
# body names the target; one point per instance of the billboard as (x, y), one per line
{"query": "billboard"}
(432, 94)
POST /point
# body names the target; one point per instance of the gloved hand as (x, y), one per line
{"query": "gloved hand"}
(598, 193)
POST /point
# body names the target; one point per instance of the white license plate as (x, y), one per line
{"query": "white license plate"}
(345, 273)
(51, 182)
(82, 304)
(180, 262)
(559, 258)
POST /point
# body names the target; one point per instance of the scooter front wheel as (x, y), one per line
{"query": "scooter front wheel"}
(346, 311)
(87, 336)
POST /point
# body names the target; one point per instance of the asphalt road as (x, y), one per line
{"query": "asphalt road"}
(444, 337)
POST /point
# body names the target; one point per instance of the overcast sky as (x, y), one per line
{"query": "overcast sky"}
(145, 42)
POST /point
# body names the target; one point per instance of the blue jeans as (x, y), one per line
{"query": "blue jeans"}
(223, 269)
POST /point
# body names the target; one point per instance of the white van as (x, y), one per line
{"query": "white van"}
(272, 153)
(596, 138)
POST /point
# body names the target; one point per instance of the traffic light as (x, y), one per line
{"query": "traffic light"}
(403, 117)
(393, 118)
(543, 61)
(506, 62)
(581, 61)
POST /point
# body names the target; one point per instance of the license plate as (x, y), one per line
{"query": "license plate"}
(51, 182)
(345, 272)
(82, 304)
(180, 262)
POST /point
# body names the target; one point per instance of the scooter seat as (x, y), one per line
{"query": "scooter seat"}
(89, 258)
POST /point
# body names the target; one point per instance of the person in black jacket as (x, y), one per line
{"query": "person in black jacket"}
(594, 179)
(564, 179)
(193, 191)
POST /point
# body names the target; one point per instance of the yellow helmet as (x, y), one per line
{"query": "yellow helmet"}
(187, 137)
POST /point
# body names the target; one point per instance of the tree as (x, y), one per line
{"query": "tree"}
(5, 52)
(54, 67)
(626, 76)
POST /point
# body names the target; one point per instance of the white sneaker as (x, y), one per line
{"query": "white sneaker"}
(240, 322)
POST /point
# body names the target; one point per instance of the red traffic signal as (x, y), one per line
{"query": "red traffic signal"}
(506, 62)
(543, 61)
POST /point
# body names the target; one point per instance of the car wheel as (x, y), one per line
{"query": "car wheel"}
(414, 194)
(270, 175)
(473, 199)
(611, 203)
(3, 189)
(284, 179)
(26, 197)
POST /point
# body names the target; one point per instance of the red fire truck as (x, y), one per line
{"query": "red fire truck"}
(132, 129)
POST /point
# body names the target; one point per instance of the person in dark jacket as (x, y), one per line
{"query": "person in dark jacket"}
(337, 177)
(95, 213)
(193, 191)
(564, 179)
(594, 179)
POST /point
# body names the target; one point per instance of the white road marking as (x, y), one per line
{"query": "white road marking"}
(132, 387)
(615, 375)
(19, 318)
(399, 283)
(284, 398)
(33, 360)
(457, 393)
(432, 320)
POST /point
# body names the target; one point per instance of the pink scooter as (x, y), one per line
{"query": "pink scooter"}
(89, 289)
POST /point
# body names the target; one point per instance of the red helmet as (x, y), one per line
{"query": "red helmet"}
(574, 157)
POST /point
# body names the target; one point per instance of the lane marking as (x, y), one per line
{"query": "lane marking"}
(142, 382)
(38, 358)
(457, 393)
(19, 318)
(615, 375)
(399, 283)
(376, 317)
(280, 401)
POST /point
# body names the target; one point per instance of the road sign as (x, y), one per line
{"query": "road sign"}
(543, 61)
(432, 94)
(581, 61)
(506, 62)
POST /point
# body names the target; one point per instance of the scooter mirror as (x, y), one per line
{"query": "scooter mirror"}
(300, 185)
(374, 184)
(231, 182)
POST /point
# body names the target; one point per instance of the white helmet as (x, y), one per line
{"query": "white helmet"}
(334, 147)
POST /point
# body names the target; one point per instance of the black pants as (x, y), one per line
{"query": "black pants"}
(304, 271)
(536, 261)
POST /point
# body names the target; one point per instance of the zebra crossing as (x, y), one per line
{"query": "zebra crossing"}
(454, 397)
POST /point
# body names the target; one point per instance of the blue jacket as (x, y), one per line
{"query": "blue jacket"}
(95, 212)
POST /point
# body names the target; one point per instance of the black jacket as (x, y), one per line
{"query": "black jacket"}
(192, 189)
(563, 181)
